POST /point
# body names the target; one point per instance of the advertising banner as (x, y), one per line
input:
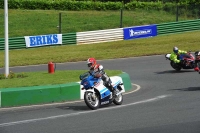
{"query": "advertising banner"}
(41, 40)
(140, 32)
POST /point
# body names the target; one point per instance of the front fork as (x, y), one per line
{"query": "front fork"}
(120, 89)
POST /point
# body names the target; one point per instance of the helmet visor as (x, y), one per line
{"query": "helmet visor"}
(175, 51)
(89, 64)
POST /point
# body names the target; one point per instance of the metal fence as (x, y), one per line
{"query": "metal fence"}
(29, 23)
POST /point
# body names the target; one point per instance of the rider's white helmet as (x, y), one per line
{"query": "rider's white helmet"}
(175, 49)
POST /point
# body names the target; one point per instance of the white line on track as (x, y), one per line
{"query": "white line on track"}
(79, 113)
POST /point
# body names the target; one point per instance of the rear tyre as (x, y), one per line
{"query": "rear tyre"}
(175, 66)
(91, 100)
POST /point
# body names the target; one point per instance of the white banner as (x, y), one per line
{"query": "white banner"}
(41, 40)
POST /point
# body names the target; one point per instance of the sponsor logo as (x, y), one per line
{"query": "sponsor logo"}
(33, 41)
(104, 102)
(97, 84)
(41, 40)
(139, 32)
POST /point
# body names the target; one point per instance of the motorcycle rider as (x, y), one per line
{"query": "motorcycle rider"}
(175, 57)
(98, 72)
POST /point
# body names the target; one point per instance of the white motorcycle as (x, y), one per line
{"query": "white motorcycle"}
(96, 93)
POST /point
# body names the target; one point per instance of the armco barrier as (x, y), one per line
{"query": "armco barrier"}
(176, 27)
(19, 42)
(39, 94)
(126, 80)
(99, 36)
(109, 35)
(46, 94)
(14, 43)
(69, 38)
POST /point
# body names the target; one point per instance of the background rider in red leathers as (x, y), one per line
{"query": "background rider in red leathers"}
(98, 72)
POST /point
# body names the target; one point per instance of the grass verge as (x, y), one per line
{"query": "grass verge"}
(189, 41)
(44, 78)
(41, 22)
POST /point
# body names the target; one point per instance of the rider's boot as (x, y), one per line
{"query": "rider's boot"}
(112, 90)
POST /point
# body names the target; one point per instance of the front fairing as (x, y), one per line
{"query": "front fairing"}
(104, 92)
(89, 82)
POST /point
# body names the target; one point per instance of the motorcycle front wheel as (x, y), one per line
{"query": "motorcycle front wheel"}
(198, 65)
(91, 100)
(118, 99)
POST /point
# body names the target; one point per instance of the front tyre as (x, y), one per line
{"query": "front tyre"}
(118, 99)
(91, 100)
(198, 65)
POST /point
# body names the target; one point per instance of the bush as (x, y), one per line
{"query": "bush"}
(165, 5)
(144, 5)
(13, 75)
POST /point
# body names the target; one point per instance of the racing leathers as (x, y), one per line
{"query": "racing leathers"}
(98, 72)
(174, 56)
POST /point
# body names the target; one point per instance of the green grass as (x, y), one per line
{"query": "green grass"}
(39, 22)
(26, 22)
(119, 49)
(189, 41)
(44, 78)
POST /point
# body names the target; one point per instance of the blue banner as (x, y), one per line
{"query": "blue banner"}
(140, 32)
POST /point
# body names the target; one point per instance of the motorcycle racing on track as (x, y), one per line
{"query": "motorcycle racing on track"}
(97, 94)
(188, 61)
(180, 59)
(197, 59)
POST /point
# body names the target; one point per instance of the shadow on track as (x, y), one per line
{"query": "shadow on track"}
(81, 107)
(174, 72)
(188, 89)
(73, 107)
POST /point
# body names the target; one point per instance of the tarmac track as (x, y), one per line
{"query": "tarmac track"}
(163, 101)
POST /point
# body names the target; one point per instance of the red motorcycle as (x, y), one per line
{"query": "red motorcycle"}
(187, 61)
(197, 59)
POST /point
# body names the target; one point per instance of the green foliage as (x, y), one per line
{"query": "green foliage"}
(93, 5)
(61, 5)
(2, 76)
(169, 7)
(13, 75)
(144, 5)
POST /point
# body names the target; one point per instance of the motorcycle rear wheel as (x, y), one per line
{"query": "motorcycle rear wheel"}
(175, 66)
(91, 100)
